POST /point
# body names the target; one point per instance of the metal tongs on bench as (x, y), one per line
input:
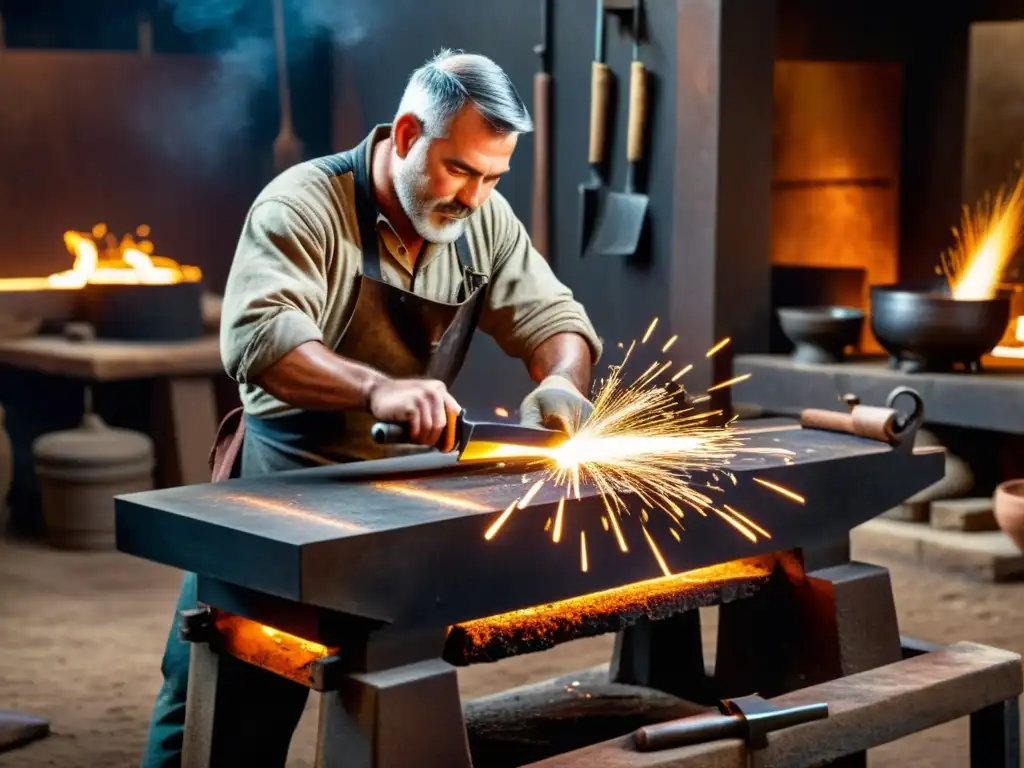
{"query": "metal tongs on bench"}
(885, 424)
(750, 718)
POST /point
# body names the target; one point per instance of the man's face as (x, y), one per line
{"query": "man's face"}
(441, 182)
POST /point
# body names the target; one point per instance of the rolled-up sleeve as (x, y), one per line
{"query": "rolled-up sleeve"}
(526, 303)
(276, 290)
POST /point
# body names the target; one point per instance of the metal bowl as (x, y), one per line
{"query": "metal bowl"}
(925, 330)
(821, 334)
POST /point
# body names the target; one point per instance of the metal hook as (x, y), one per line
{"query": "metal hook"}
(907, 425)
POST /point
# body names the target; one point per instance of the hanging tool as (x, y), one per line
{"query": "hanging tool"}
(288, 149)
(600, 87)
(476, 440)
(750, 718)
(540, 216)
(622, 217)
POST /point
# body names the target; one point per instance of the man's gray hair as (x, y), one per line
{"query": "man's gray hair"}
(451, 79)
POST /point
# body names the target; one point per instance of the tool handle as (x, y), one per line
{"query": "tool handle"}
(868, 421)
(384, 433)
(539, 218)
(688, 730)
(637, 111)
(600, 87)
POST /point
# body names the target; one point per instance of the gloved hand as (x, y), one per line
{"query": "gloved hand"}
(555, 404)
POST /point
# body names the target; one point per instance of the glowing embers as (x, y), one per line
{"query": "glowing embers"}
(268, 648)
(542, 627)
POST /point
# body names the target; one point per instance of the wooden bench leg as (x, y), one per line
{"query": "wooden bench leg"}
(184, 428)
(995, 736)
(200, 710)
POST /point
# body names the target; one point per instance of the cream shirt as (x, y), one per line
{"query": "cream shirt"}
(297, 265)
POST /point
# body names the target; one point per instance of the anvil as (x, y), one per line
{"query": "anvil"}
(401, 541)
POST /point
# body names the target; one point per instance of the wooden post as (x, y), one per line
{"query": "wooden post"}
(720, 281)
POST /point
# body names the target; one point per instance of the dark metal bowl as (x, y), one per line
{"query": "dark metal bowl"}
(931, 331)
(143, 312)
(821, 334)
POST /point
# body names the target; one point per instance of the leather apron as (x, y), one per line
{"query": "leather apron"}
(393, 330)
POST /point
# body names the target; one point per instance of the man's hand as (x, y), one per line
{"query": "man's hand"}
(425, 404)
(555, 404)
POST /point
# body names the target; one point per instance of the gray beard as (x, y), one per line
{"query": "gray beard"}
(410, 182)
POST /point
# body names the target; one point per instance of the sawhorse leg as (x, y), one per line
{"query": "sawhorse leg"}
(405, 717)
(995, 736)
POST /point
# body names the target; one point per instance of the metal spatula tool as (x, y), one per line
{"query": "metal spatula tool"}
(621, 219)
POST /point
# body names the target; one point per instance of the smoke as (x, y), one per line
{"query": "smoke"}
(202, 123)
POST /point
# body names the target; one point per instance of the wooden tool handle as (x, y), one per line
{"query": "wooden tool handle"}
(541, 159)
(637, 111)
(875, 422)
(600, 87)
(831, 421)
(867, 421)
(696, 729)
(385, 433)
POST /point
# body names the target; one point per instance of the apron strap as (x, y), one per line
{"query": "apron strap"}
(462, 249)
(367, 214)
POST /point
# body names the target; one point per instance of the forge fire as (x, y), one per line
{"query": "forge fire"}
(100, 258)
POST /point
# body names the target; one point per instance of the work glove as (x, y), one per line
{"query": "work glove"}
(555, 404)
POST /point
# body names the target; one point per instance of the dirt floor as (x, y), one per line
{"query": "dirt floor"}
(82, 635)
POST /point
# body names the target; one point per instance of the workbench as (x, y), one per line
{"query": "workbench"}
(866, 710)
(992, 399)
(183, 412)
(386, 568)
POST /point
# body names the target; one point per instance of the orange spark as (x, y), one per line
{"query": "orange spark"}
(780, 490)
(493, 530)
(737, 525)
(683, 372)
(650, 330)
(531, 493)
(556, 534)
(657, 555)
(669, 343)
(748, 521)
(502, 412)
(729, 383)
(717, 347)
(583, 551)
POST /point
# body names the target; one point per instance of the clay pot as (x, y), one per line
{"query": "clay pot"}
(6, 471)
(80, 471)
(1008, 507)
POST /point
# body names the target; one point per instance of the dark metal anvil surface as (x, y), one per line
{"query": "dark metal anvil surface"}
(402, 540)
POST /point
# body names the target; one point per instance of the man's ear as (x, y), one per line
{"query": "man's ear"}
(404, 133)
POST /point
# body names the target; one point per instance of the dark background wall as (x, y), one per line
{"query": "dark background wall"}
(181, 139)
(622, 296)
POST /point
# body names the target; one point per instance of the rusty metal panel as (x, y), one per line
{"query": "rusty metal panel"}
(836, 121)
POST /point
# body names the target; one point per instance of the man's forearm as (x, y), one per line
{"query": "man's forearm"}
(313, 378)
(564, 354)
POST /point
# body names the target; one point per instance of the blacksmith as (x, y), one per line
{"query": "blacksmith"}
(357, 284)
